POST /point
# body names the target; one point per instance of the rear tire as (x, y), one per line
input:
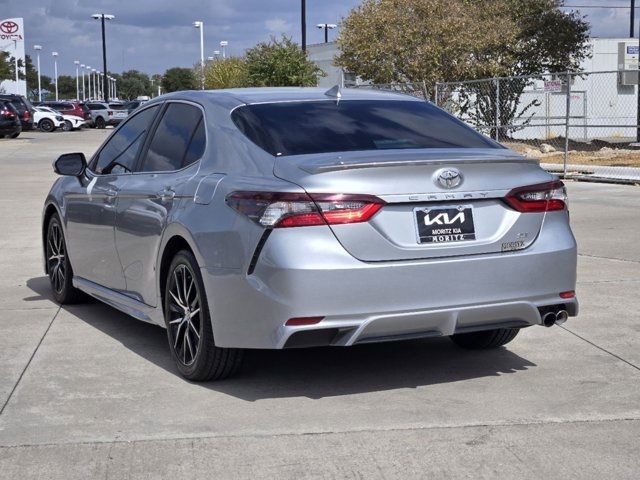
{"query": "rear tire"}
(15, 135)
(188, 323)
(100, 123)
(486, 339)
(58, 265)
(67, 127)
(46, 125)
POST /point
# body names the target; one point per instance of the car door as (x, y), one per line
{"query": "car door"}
(150, 198)
(91, 207)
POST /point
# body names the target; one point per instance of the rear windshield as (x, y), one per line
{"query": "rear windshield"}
(296, 128)
(97, 106)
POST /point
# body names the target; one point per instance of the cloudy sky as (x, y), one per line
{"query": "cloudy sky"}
(153, 35)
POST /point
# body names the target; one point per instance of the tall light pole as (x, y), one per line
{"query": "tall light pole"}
(102, 17)
(84, 96)
(100, 89)
(223, 45)
(77, 64)
(632, 19)
(95, 90)
(55, 70)
(37, 48)
(89, 82)
(326, 27)
(303, 23)
(115, 88)
(200, 24)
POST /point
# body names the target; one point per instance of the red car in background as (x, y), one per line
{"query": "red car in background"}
(71, 108)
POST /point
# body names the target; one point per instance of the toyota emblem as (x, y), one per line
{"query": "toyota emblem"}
(448, 177)
(9, 27)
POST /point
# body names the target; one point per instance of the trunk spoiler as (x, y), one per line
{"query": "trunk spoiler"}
(320, 163)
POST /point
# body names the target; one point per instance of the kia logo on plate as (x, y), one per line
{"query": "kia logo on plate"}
(449, 177)
(9, 27)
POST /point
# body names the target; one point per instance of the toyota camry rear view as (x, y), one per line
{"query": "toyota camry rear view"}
(299, 217)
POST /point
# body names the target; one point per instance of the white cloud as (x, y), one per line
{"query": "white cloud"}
(278, 25)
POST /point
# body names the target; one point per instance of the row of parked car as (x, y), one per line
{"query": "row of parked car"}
(18, 114)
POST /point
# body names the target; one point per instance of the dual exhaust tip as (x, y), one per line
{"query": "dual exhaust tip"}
(558, 317)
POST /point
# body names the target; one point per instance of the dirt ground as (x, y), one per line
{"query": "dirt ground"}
(594, 153)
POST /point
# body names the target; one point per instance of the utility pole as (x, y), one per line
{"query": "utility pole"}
(632, 22)
(303, 21)
(102, 17)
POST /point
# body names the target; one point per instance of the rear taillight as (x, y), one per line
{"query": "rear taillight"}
(26, 115)
(281, 210)
(543, 197)
(7, 113)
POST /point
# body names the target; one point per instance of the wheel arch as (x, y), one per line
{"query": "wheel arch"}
(176, 239)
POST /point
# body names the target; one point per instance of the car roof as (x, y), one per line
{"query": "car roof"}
(288, 94)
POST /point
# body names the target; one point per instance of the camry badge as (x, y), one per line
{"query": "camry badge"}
(449, 177)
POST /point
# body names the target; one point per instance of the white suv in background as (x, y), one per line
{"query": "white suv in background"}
(47, 120)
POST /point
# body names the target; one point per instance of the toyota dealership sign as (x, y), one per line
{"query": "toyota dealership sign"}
(12, 42)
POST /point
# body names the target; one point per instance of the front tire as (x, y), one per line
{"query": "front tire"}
(67, 127)
(46, 125)
(188, 323)
(486, 339)
(58, 265)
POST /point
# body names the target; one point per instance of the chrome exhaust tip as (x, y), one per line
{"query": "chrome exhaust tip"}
(549, 319)
(561, 317)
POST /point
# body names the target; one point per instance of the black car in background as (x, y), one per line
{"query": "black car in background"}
(10, 125)
(24, 108)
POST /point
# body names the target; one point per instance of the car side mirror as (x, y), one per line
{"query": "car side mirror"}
(72, 164)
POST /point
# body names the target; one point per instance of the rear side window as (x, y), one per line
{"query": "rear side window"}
(97, 106)
(120, 152)
(178, 141)
(296, 128)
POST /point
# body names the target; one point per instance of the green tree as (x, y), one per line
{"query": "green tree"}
(421, 41)
(132, 84)
(66, 87)
(226, 73)
(280, 63)
(178, 78)
(5, 66)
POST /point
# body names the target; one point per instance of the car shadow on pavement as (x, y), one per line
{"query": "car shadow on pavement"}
(314, 372)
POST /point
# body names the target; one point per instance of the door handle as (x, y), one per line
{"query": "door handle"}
(166, 194)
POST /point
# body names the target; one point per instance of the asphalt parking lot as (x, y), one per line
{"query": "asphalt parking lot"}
(88, 392)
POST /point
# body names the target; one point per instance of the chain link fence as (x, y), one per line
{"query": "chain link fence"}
(581, 125)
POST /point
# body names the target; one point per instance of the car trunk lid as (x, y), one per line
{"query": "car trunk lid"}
(425, 217)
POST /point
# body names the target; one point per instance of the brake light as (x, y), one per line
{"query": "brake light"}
(543, 197)
(568, 294)
(7, 113)
(26, 115)
(298, 321)
(282, 210)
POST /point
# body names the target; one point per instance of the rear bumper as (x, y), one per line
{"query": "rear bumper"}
(306, 273)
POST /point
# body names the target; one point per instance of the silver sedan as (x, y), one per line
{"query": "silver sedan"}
(298, 217)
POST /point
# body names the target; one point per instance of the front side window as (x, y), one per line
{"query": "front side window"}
(120, 152)
(296, 128)
(178, 141)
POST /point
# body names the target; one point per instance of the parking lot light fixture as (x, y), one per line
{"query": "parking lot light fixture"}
(77, 64)
(200, 24)
(55, 71)
(95, 89)
(102, 17)
(89, 82)
(37, 48)
(224, 44)
(326, 27)
(84, 96)
(216, 54)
